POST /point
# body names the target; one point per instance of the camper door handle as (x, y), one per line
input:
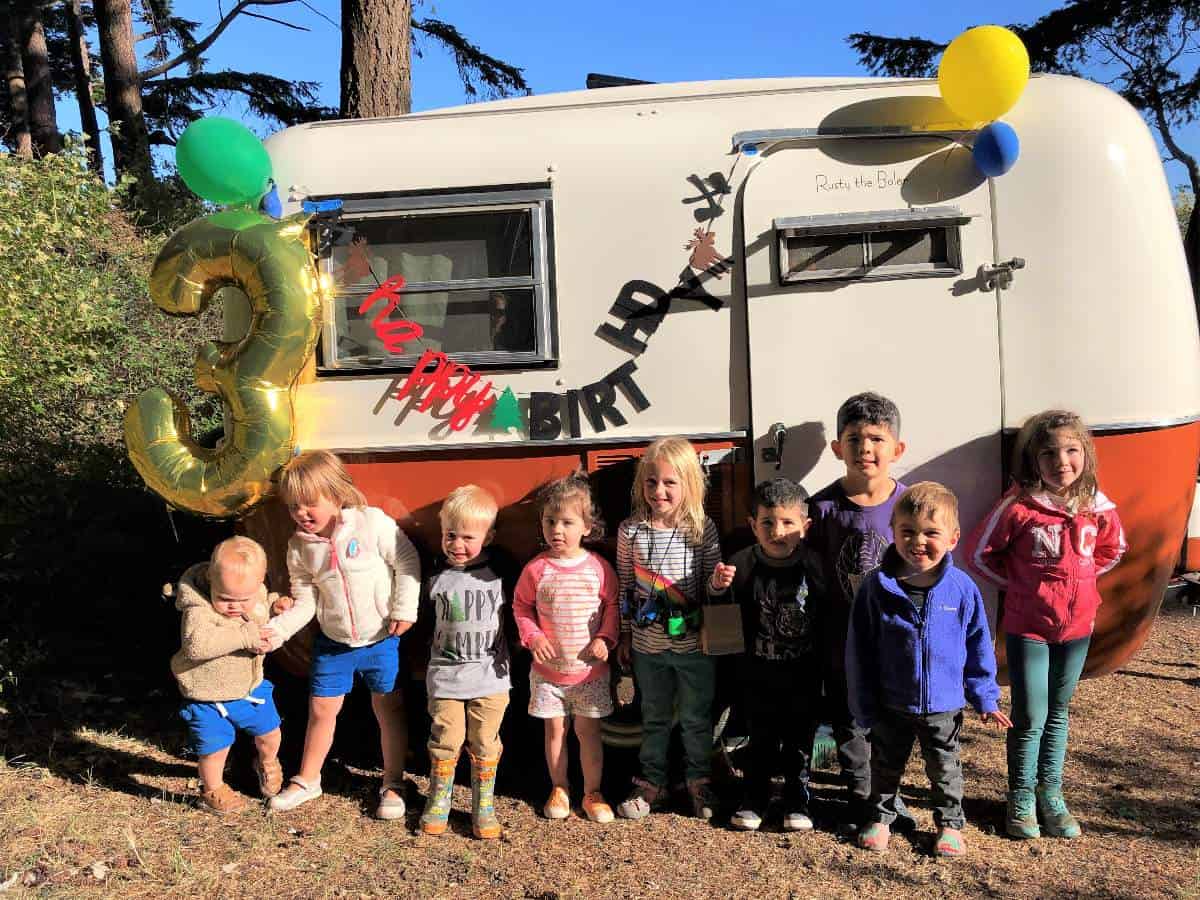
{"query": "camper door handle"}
(1001, 274)
(777, 434)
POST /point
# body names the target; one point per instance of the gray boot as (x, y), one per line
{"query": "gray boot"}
(1021, 821)
(1052, 810)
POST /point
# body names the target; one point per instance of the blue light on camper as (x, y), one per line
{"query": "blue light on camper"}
(750, 149)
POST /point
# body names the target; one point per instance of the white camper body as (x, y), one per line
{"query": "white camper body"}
(862, 250)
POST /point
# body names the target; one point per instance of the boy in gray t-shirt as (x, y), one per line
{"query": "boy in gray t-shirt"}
(468, 676)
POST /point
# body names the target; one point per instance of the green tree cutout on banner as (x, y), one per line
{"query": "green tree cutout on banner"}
(506, 414)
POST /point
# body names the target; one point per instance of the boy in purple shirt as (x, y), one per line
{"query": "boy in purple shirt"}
(850, 530)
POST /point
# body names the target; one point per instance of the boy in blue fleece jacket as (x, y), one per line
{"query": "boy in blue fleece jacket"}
(918, 651)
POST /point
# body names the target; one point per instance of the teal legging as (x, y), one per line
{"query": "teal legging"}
(1043, 680)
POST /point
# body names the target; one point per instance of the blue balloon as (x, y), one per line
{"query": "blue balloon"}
(271, 204)
(996, 149)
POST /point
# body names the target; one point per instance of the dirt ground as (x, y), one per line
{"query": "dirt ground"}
(95, 799)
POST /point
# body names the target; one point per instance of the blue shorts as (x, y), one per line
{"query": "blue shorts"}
(212, 725)
(334, 665)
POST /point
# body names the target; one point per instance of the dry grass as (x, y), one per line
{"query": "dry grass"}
(86, 809)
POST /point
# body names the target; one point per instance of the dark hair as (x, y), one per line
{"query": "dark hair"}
(776, 492)
(573, 488)
(871, 409)
(1035, 434)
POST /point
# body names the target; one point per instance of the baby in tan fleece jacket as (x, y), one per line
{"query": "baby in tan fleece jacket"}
(219, 668)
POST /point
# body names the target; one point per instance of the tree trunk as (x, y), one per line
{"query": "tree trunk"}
(14, 76)
(1191, 250)
(39, 86)
(82, 65)
(376, 58)
(123, 91)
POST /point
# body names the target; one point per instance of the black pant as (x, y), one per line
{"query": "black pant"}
(853, 743)
(891, 743)
(781, 700)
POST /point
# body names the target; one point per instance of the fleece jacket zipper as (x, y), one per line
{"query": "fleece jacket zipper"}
(333, 561)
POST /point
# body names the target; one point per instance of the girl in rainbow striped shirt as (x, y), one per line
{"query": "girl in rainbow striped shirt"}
(566, 611)
(667, 552)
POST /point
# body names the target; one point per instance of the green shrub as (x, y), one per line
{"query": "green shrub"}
(79, 339)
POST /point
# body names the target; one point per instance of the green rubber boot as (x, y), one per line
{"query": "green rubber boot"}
(1021, 821)
(483, 787)
(1057, 820)
(436, 817)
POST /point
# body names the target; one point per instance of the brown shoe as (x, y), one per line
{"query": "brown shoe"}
(222, 800)
(270, 776)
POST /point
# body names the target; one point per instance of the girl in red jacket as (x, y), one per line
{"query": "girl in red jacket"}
(1044, 544)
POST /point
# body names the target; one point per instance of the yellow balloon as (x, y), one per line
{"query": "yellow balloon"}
(983, 73)
(256, 376)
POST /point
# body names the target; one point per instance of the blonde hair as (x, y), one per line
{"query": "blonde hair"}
(238, 556)
(469, 503)
(925, 498)
(572, 489)
(1033, 437)
(678, 453)
(318, 474)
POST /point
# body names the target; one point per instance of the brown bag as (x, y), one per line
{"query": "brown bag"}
(721, 632)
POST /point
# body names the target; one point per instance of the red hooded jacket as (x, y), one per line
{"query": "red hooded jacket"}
(1047, 559)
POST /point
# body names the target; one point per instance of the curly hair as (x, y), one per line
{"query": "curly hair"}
(573, 489)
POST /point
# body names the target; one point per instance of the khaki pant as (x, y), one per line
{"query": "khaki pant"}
(477, 721)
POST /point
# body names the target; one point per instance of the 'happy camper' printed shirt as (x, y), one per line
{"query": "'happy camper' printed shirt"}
(469, 657)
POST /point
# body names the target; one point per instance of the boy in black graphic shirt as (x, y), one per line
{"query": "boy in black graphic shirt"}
(779, 673)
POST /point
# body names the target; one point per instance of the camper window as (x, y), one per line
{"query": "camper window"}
(475, 281)
(863, 246)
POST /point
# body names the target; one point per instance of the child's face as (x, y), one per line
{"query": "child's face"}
(1061, 460)
(867, 450)
(233, 593)
(924, 540)
(564, 528)
(779, 529)
(463, 541)
(663, 491)
(318, 517)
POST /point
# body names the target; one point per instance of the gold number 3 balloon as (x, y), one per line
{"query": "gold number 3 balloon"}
(256, 376)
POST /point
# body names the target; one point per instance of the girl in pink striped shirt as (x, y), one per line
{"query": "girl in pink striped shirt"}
(566, 610)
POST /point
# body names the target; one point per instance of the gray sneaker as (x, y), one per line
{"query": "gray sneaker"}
(645, 799)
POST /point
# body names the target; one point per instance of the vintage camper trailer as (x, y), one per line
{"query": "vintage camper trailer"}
(728, 261)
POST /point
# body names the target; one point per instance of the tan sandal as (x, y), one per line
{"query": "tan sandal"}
(270, 776)
(222, 800)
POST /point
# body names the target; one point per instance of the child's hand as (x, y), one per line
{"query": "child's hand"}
(397, 627)
(543, 651)
(625, 652)
(282, 604)
(997, 718)
(722, 577)
(597, 650)
(265, 636)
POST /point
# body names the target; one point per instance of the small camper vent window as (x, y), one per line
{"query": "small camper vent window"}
(476, 283)
(902, 243)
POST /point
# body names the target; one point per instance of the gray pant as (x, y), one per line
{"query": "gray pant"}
(891, 743)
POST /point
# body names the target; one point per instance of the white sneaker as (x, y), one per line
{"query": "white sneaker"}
(797, 821)
(746, 819)
(298, 791)
(390, 807)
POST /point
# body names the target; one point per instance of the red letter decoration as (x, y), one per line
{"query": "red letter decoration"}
(439, 379)
(393, 334)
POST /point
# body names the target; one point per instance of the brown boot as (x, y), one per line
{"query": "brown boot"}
(270, 776)
(222, 800)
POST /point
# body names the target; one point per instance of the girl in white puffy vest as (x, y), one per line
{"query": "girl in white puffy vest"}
(353, 568)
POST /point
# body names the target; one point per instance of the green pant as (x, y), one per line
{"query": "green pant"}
(1043, 681)
(663, 678)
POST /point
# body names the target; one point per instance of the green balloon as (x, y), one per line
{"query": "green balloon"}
(221, 160)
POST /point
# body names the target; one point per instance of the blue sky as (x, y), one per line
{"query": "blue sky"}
(558, 43)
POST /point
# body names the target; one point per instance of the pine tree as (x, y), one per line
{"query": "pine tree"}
(506, 413)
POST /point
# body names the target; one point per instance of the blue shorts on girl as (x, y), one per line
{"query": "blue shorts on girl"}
(334, 666)
(213, 724)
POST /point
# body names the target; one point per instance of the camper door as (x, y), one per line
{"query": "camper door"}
(862, 273)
